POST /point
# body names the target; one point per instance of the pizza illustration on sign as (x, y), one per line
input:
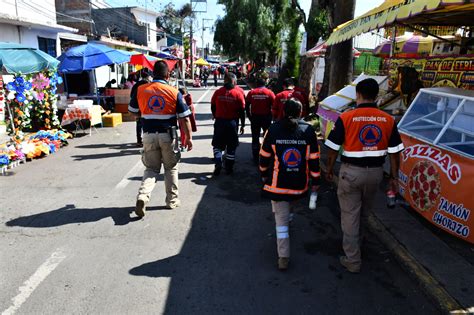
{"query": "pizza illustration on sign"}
(424, 185)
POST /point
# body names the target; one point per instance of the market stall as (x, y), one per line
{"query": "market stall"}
(343, 100)
(29, 84)
(86, 58)
(437, 171)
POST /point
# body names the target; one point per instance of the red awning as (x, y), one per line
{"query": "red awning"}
(320, 49)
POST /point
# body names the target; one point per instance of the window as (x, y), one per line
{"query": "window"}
(48, 45)
(148, 33)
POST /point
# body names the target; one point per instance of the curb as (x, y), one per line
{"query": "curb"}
(445, 302)
(432, 288)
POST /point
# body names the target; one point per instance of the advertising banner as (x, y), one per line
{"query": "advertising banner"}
(435, 182)
(439, 71)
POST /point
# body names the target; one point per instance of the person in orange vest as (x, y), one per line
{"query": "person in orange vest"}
(258, 107)
(366, 135)
(281, 98)
(160, 106)
(228, 106)
(289, 167)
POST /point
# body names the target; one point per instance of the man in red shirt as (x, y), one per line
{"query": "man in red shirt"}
(302, 95)
(227, 105)
(280, 99)
(258, 107)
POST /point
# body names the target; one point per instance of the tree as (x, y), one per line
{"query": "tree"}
(250, 27)
(338, 69)
(316, 27)
(172, 20)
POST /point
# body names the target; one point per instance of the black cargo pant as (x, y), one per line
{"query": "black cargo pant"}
(258, 123)
(225, 140)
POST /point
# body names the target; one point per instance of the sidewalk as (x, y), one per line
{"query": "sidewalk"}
(444, 275)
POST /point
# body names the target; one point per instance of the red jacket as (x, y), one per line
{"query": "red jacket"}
(228, 103)
(279, 103)
(259, 101)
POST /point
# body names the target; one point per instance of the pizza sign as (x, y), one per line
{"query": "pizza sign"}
(436, 183)
(444, 161)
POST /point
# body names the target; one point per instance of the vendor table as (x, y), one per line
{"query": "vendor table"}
(77, 114)
(106, 101)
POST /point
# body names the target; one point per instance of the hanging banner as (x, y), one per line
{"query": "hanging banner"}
(434, 182)
(438, 71)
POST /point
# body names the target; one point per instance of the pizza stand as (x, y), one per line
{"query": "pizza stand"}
(436, 171)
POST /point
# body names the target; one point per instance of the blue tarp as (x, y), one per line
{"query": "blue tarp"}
(90, 56)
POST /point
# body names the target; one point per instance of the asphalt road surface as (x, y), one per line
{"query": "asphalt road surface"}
(70, 244)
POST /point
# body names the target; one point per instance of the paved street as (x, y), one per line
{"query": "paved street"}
(69, 244)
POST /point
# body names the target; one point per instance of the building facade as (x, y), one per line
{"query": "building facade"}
(33, 23)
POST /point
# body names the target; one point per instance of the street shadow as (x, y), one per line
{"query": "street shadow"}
(225, 249)
(115, 146)
(100, 156)
(209, 136)
(201, 116)
(69, 214)
(198, 160)
(227, 263)
(197, 178)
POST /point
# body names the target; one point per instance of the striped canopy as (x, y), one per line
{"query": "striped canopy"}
(420, 12)
(320, 50)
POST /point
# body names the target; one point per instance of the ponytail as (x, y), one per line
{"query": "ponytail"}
(292, 112)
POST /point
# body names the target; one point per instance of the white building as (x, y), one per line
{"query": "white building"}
(32, 23)
(147, 18)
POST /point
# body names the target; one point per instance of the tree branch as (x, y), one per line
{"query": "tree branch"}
(295, 5)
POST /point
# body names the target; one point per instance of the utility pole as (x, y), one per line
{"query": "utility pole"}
(191, 33)
(203, 29)
(191, 47)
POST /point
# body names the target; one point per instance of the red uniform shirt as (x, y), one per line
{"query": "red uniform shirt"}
(279, 103)
(228, 104)
(302, 96)
(260, 101)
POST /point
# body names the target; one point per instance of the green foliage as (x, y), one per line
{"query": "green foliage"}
(293, 42)
(172, 20)
(317, 25)
(186, 46)
(250, 26)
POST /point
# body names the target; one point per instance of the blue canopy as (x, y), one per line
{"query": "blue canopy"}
(15, 58)
(164, 55)
(90, 56)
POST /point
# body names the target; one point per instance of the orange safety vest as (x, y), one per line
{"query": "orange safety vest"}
(367, 132)
(157, 100)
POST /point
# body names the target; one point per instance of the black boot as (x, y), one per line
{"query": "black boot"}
(217, 170)
(229, 166)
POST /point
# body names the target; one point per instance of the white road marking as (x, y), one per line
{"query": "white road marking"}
(125, 180)
(203, 96)
(34, 281)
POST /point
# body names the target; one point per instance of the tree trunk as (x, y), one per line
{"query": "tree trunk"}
(306, 73)
(341, 54)
(307, 63)
(324, 92)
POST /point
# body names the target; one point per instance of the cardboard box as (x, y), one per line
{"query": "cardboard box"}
(112, 120)
(128, 117)
(121, 108)
(122, 96)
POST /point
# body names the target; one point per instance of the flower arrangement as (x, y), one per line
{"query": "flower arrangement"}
(45, 109)
(32, 100)
(18, 98)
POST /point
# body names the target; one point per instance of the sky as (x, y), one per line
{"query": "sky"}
(214, 11)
